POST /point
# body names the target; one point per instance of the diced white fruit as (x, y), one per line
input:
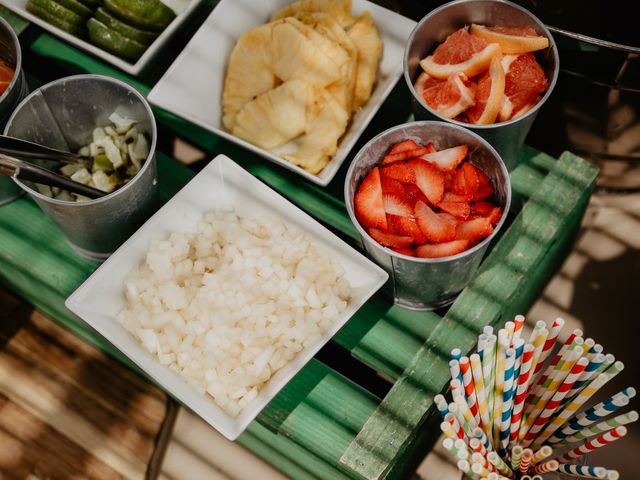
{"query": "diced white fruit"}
(82, 176)
(98, 134)
(122, 124)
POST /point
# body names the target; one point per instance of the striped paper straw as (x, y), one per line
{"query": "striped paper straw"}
(518, 323)
(477, 457)
(478, 380)
(470, 422)
(456, 353)
(454, 368)
(550, 466)
(608, 361)
(589, 343)
(525, 460)
(572, 407)
(550, 388)
(501, 360)
(598, 442)
(476, 445)
(541, 454)
(496, 461)
(479, 469)
(488, 367)
(521, 392)
(602, 427)
(441, 404)
(455, 424)
(553, 404)
(448, 430)
(464, 467)
(595, 413)
(449, 446)
(480, 435)
(516, 456)
(613, 475)
(457, 413)
(582, 471)
(535, 477)
(548, 344)
(482, 341)
(469, 388)
(538, 341)
(507, 401)
(554, 370)
(594, 363)
(487, 330)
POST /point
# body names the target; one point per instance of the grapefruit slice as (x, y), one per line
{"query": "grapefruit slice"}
(511, 39)
(448, 97)
(524, 81)
(460, 52)
(489, 95)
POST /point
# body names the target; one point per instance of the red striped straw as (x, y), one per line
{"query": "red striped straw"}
(548, 345)
(535, 390)
(521, 391)
(555, 401)
(591, 445)
(525, 461)
(469, 388)
(450, 417)
(550, 466)
(518, 322)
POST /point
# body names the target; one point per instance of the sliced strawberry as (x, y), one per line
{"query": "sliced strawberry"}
(405, 251)
(442, 249)
(414, 194)
(457, 209)
(395, 204)
(403, 146)
(487, 210)
(448, 180)
(454, 197)
(436, 227)
(389, 185)
(466, 181)
(482, 193)
(431, 147)
(406, 155)
(483, 179)
(474, 230)
(429, 180)
(482, 209)
(368, 204)
(407, 226)
(390, 240)
(447, 159)
(401, 172)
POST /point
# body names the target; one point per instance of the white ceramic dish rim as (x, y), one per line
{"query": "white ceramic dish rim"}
(230, 427)
(19, 7)
(381, 91)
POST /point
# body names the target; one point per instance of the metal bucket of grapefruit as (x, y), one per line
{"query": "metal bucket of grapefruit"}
(426, 274)
(486, 65)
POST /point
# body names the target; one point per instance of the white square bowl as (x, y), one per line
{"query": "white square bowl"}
(192, 87)
(20, 7)
(222, 182)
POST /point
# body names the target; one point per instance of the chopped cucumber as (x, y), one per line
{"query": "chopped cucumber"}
(76, 7)
(144, 14)
(53, 18)
(143, 36)
(114, 42)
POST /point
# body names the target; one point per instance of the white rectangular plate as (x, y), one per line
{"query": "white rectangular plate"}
(20, 7)
(222, 182)
(192, 87)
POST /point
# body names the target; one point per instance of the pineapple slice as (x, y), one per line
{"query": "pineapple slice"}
(249, 73)
(276, 116)
(338, 9)
(367, 40)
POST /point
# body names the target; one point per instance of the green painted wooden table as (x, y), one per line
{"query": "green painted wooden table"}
(323, 424)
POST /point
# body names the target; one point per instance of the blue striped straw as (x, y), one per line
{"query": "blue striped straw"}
(507, 401)
(480, 435)
(482, 342)
(454, 368)
(456, 353)
(519, 348)
(595, 414)
(585, 377)
(582, 470)
(441, 405)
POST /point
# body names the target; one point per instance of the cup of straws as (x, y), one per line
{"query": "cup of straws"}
(519, 408)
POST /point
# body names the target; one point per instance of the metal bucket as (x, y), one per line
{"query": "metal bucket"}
(428, 283)
(63, 114)
(11, 53)
(506, 137)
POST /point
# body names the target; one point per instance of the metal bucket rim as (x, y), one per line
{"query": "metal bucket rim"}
(18, 49)
(427, 124)
(533, 111)
(126, 186)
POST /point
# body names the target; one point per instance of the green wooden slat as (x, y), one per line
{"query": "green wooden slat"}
(503, 287)
(18, 23)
